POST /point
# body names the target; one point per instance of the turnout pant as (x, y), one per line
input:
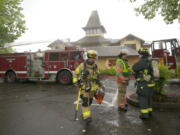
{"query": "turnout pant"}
(87, 98)
(145, 98)
(121, 99)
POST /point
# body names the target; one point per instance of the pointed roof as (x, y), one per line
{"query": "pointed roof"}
(94, 22)
(130, 36)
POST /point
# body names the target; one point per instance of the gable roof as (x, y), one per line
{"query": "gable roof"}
(130, 36)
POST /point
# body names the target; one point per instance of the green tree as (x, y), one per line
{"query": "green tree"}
(6, 50)
(168, 9)
(12, 23)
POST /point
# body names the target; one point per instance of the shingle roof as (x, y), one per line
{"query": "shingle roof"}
(92, 40)
(112, 51)
(94, 22)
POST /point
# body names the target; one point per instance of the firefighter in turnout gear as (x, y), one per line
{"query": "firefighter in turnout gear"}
(86, 77)
(143, 71)
(122, 74)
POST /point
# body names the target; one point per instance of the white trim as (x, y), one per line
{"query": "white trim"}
(2, 72)
(17, 72)
(50, 72)
(21, 72)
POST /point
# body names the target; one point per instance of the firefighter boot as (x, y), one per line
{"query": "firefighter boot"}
(126, 107)
(123, 109)
(120, 109)
(151, 113)
(144, 116)
(88, 120)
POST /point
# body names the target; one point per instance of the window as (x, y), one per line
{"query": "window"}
(75, 56)
(63, 56)
(53, 57)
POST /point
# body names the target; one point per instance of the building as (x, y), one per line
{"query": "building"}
(107, 55)
(59, 44)
(108, 49)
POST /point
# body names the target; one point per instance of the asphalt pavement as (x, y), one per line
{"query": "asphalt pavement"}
(47, 108)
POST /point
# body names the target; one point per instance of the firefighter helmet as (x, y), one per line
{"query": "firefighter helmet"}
(143, 51)
(92, 54)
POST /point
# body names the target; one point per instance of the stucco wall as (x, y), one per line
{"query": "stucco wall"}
(135, 41)
(102, 62)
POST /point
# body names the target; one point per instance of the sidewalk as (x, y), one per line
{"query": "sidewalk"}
(172, 91)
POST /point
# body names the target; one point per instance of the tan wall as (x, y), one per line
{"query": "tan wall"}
(132, 60)
(135, 41)
(102, 62)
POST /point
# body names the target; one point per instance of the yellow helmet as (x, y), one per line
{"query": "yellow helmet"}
(143, 51)
(92, 54)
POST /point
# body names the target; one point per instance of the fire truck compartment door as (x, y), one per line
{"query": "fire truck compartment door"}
(57, 61)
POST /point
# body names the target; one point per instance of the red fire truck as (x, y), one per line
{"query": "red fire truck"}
(168, 52)
(52, 64)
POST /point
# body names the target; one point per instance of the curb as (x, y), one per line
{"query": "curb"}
(132, 99)
(174, 81)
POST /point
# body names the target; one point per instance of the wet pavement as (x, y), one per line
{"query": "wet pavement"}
(47, 108)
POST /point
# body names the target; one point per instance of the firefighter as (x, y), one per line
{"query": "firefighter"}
(122, 74)
(145, 83)
(86, 77)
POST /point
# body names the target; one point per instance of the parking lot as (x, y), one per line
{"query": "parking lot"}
(47, 108)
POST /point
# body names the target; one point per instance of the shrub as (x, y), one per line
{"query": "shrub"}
(108, 71)
(178, 71)
(165, 74)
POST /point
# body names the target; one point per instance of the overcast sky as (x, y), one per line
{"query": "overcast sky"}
(61, 19)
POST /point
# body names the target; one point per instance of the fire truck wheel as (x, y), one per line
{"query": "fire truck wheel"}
(64, 77)
(10, 77)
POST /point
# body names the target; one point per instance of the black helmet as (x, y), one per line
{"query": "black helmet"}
(122, 52)
(143, 51)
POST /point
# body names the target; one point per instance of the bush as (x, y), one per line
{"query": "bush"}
(108, 71)
(178, 71)
(165, 74)
(6, 50)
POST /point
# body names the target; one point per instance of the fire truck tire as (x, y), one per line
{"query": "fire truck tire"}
(10, 77)
(64, 77)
